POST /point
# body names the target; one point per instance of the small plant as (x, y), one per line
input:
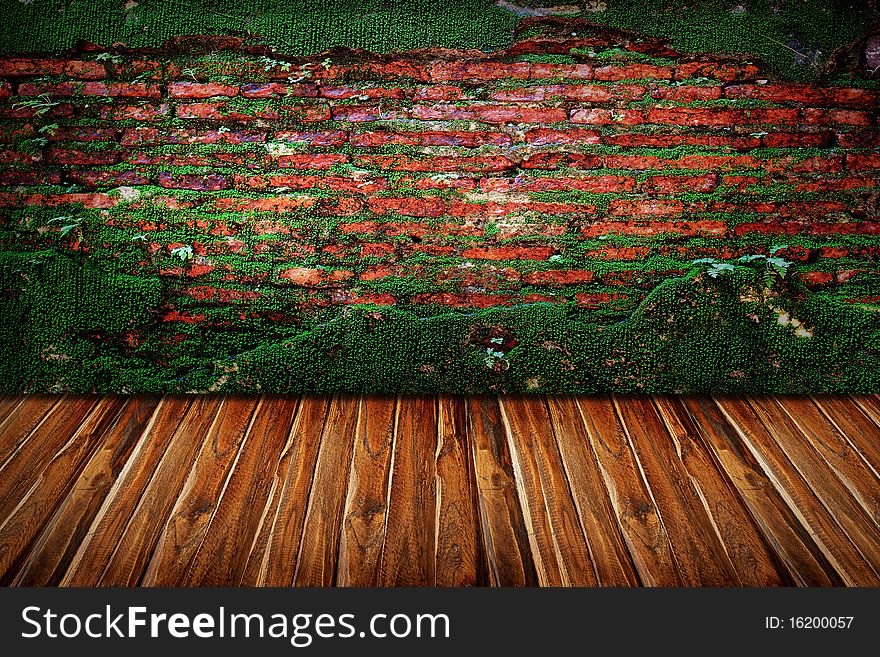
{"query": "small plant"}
(139, 237)
(109, 57)
(65, 230)
(184, 252)
(40, 104)
(716, 267)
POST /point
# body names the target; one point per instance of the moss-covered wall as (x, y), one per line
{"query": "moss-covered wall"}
(585, 210)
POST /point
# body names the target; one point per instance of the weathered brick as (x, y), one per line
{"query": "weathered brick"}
(804, 94)
(686, 93)
(646, 207)
(468, 300)
(310, 161)
(459, 71)
(659, 184)
(813, 116)
(320, 138)
(408, 207)
(592, 93)
(440, 92)
(723, 71)
(570, 71)
(431, 138)
(201, 89)
(797, 139)
(343, 92)
(615, 72)
(146, 112)
(13, 67)
(113, 89)
(863, 162)
(558, 277)
(489, 113)
(72, 156)
(365, 113)
(509, 252)
(440, 163)
(278, 90)
(207, 182)
(552, 137)
(601, 116)
(307, 277)
(598, 299)
(223, 111)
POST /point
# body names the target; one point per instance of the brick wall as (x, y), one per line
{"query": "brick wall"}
(582, 169)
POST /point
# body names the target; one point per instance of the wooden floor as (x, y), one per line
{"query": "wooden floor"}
(349, 491)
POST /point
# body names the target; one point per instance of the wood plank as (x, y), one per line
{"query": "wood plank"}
(97, 546)
(318, 551)
(47, 486)
(699, 552)
(408, 551)
(459, 559)
(749, 420)
(870, 405)
(273, 553)
(363, 518)
(752, 556)
(505, 540)
(187, 524)
(559, 548)
(636, 512)
(837, 452)
(220, 560)
(850, 419)
(131, 554)
(611, 558)
(781, 525)
(20, 422)
(54, 549)
(45, 439)
(8, 404)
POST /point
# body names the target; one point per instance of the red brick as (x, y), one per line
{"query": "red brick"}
(306, 277)
(797, 140)
(310, 161)
(804, 94)
(558, 277)
(647, 207)
(365, 298)
(623, 253)
(440, 92)
(389, 68)
(614, 73)
(805, 165)
(114, 89)
(145, 112)
(814, 116)
(5, 90)
(816, 278)
(222, 111)
(553, 161)
(456, 71)
(596, 116)
(723, 71)
(409, 207)
(678, 184)
(641, 140)
(108, 178)
(185, 317)
(200, 90)
(278, 90)
(591, 93)
(832, 184)
(469, 300)
(361, 93)
(322, 138)
(220, 295)
(207, 182)
(489, 113)
(866, 139)
(365, 113)
(440, 163)
(374, 250)
(15, 177)
(509, 252)
(866, 162)
(432, 138)
(703, 227)
(270, 204)
(594, 184)
(21, 66)
(71, 156)
(570, 71)
(552, 137)
(685, 94)
(91, 200)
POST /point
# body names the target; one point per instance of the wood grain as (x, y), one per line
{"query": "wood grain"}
(318, 550)
(831, 537)
(271, 560)
(363, 518)
(562, 557)
(459, 559)
(451, 491)
(409, 548)
(610, 556)
(752, 557)
(630, 496)
(185, 529)
(505, 540)
(51, 555)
